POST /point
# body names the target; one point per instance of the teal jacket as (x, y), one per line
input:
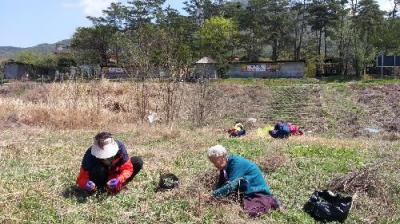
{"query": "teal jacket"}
(242, 174)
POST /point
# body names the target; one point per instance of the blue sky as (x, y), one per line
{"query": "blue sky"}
(25, 23)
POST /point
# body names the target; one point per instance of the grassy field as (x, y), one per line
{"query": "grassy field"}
(40, 155)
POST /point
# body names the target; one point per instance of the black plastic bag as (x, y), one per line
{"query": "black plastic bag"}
(168, 181)
(326, 206)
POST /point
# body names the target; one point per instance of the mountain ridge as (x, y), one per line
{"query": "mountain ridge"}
(8, 52)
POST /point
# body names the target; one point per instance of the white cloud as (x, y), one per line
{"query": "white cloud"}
(95, 7)
(386, 5)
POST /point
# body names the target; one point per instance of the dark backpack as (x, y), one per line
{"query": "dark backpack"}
(325, 206)
(168, 181)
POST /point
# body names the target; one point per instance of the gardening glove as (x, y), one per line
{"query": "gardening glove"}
(90, 186)
(113, 183)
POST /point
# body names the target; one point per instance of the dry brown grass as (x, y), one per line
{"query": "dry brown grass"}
(97, 104)
(391, 136)
(362, 181)
(100, 104)
(270, 163)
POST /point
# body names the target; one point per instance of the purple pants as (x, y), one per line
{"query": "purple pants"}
(258, 204)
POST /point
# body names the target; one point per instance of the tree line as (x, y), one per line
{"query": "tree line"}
(144, 35)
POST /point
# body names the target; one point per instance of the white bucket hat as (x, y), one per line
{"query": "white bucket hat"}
(109, 149)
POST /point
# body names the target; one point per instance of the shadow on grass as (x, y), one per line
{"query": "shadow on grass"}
(81, 196)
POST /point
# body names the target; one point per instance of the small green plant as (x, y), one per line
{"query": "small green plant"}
(250, 149)
(328, 158)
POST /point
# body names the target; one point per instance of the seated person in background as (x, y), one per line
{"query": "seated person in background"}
(106, 165)
(240, 174)
(237, 130)
(285, 129)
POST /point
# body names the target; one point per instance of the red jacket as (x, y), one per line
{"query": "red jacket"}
(121, 167)
(294, 129)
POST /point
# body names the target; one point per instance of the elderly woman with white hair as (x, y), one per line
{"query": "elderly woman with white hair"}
(106, 165)
(238, 173)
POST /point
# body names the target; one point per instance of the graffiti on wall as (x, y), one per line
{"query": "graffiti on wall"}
(265, 67)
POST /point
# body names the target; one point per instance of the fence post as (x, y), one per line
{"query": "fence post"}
(382, 65)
